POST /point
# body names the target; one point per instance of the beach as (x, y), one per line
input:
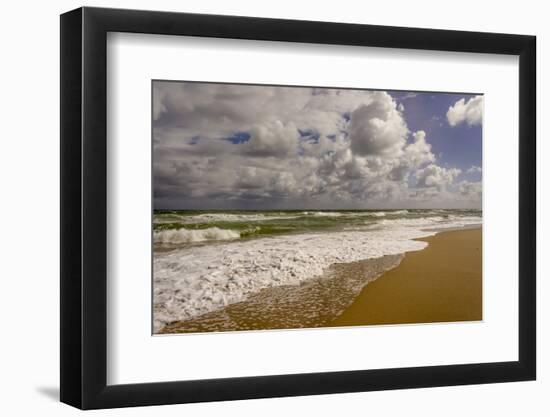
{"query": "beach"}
(441, 283)
(434, 278)
(315, 303)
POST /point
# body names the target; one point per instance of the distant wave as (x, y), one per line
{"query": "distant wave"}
(194, 235)
(231, 217)
(325, 213)
(357, 213)
(378, 214)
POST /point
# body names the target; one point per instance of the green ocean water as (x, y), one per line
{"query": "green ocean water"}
(249, 224)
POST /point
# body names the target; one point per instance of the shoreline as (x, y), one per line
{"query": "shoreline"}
(312, 304)
(344, 295)
(205, 279)
(441, 283)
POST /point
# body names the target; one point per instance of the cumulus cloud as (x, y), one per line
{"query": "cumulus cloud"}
(244, 146)
(419, 151)
(473, 169)
(377, 128)
(470, 190)
(436, 176)
(469, 112)
(273, 139)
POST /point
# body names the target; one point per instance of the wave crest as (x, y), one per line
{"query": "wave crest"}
(194, 235)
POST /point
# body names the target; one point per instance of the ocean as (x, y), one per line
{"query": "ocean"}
(206, 260)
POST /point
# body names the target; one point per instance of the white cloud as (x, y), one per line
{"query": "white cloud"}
(378, 128)
(470, 112)
(298, 147)
(473, 169)
(436, 176)
(470, 190)
(420, 151)
(272, 139)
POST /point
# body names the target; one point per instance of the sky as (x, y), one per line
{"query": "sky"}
(259, 147)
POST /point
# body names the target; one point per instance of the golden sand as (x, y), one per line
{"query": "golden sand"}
(438, 284)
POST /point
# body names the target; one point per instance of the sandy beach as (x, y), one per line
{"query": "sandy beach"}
(438, 284)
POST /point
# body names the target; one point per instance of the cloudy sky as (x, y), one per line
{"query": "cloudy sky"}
(229, 146)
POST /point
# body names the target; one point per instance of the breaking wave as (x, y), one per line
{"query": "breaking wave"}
(196, 279)
(194, 235)
(201, 279)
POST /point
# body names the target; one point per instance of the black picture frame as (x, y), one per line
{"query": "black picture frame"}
(84, 207)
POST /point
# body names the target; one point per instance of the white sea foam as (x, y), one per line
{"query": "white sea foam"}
(192, 281)
(357, 213)
(437, 222)
(218, 217)
(378, 213)
(232, 217)
(194, 235)
(326, 213)
(198, 280)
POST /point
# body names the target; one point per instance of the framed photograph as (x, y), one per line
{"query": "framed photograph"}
(257, 208)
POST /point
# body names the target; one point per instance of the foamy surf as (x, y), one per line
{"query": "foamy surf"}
(219, 217)
(193, 280)
(194, 235)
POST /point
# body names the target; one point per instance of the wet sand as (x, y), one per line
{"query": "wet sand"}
(441, 283)
(314, 303)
